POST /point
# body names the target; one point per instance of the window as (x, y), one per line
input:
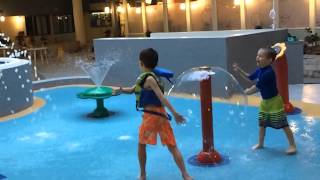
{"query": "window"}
(41, 25)
(294, 14)
(37, 25)
(62, 24)
(100, 19)
(228, 15)
(258, 14)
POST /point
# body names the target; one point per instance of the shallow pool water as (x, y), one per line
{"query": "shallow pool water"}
(59, 141)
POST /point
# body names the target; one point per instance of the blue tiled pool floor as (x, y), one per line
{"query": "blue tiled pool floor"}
(59, 141)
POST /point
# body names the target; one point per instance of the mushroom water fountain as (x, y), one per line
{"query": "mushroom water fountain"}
(97, 72)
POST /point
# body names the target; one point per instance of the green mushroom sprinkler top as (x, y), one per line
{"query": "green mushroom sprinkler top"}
(97, 72)
(96, 93)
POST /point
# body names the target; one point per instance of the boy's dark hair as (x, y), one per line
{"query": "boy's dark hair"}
(270, 53)
(149, 58)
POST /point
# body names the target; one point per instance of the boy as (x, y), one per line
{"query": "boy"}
(150, 97)
(271, 111)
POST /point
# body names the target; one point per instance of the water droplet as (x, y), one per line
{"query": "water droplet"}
(231, 112)
(26, 71)
(48, 97)
(30, 91)
(27, 99)
(8, 99)
(28, 80)
(5, 87)
(124, 138)
(16, 70)
(2, 82)
(12, 111)
(242, 115)
(22, 85)
(19, 76)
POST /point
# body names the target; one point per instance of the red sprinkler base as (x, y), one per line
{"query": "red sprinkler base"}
(288, 107)
(212, 157)
(208, 157)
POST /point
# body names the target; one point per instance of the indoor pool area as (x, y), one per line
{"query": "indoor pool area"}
(160, 90)
(58, 140)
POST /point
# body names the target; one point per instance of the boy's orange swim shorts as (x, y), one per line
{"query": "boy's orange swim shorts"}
(152, 125)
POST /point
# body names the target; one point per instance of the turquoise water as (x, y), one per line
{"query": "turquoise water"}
(59, 141)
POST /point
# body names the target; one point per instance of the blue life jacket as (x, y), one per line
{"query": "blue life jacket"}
(145, 97)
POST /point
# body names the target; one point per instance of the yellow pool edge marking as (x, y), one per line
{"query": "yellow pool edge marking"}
(37, 104)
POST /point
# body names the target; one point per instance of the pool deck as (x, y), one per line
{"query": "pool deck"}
(303, 96)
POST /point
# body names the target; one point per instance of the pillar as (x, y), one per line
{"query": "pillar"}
(126, 18)
(79, 21)
(243, 12)
(144, 16)
(165, 16)
(312, 15)
(214, 15)
(188, 15)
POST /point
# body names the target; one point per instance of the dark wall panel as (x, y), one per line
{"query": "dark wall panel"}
(35, 7)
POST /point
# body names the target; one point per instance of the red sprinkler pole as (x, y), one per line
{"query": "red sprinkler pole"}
(208, 155)
(281, 69)
(206, 114)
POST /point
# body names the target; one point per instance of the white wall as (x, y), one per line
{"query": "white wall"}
(135, 21)
(12, 25)
(258, 14)
(176, 17)
(228, 15)
(201, 15)
(294, 13)
(154, 18)
(93, 32)
(301, 33)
